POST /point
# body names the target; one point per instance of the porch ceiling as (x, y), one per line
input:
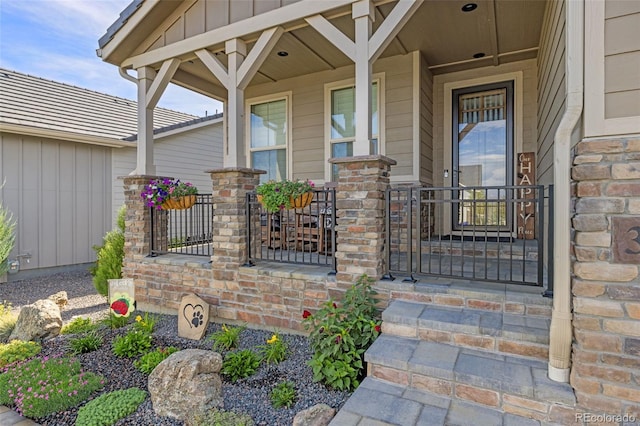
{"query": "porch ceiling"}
(504, 30)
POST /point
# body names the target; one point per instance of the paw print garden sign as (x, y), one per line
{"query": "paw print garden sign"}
(193, 317)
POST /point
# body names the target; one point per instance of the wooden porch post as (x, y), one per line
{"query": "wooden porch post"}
(363, 15)
(144, 162)
(234, 154)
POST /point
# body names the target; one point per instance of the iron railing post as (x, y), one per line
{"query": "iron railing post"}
(387, 237)
(247, 212)
(550, 257)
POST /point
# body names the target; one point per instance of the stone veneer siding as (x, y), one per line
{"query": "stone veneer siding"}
(606, 292)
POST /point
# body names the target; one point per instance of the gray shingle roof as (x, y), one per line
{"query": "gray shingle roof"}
(122, 19)
(35, 102)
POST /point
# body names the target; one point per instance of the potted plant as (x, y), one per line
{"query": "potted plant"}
(285, 194)
(167, 194)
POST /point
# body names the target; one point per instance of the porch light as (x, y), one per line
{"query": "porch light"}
(469, 7)
(282, 53)
(479, 55)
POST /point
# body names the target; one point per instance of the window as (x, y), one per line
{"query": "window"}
(268, 136)
(342, 126)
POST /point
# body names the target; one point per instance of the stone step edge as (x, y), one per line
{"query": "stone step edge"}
(408, 376)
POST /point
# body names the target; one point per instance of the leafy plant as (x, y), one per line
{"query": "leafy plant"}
(275, 350)
(134, 343)
(151, 359)
(109, 256)
(238, 365)
(158, 191)
(339, 336)
(5, 308)
(113, 321)
(283, 395)
(7, 237)
(86, 342)
(146, 323)
(217, 417)
(17, 350)
(276, 195)
(227, 337)
(78, 326)
(110, 407)
(43, 386)
(7, 321)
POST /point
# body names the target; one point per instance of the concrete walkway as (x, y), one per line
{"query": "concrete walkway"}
(9, 417)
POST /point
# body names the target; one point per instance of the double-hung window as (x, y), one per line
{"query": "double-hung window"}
(268, 136)
(342, 115)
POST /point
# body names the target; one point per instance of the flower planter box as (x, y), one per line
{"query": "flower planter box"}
(180, 203)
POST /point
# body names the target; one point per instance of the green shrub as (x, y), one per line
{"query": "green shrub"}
(86, 342)
(339, 336)
(112, 321)
(5, 308)
(43, 386)
(227, 337)
(79, 325)
(147, 323)
(275, 350)
(17, 350)
(151, 359)
(238, 365)
(7, 237)
(134, 343)
(7, 324)
(283, 395)
(109, 256)
(220, 418)
(110, 407)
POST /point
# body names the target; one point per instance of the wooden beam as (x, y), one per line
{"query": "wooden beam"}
(160, 83)
(391, 26)
(214, 65)
(396, 40)
(333, 35)
(256, 57)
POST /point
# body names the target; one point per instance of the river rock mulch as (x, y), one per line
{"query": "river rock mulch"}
(250, 395)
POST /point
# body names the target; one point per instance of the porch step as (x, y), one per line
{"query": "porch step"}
(508, 333)
(468, 380)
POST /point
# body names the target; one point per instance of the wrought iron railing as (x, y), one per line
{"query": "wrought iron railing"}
(300, 236)
(187, 231)
(479, 233)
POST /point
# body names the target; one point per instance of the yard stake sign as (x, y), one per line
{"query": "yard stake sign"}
(525, 210)
(122, 300)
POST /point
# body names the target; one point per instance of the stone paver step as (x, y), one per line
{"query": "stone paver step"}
(494, 331)
(378, 403)
(450, 370)
(9, 417)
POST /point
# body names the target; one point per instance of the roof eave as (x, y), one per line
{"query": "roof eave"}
(66, 136)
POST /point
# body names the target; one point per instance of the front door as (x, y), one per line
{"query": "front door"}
(483, 156)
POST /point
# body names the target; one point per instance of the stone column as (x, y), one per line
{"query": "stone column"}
(137, 233)
(360, 213)
(230, 188)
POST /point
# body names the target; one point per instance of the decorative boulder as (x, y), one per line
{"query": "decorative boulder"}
(60, 298)
(318, 415)
(186, 382)
(38, 321)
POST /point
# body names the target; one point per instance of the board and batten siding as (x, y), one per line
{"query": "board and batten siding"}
(59, 193)
(426, 123)
(185, 155)
(551, 87)
(308, 156)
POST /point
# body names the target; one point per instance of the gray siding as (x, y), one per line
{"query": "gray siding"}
(426, 123)
(184, 155)
(60, 195)
(551, 87)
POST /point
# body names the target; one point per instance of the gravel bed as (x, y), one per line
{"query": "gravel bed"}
(250, 395)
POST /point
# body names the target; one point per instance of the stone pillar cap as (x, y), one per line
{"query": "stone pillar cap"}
(246, 170)
(362, 159)
(149, 177)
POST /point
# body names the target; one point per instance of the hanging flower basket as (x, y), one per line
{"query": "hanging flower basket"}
(179, 203)
(279, 195)
(301, 201)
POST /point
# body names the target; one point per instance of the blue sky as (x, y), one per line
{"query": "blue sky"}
(57, 40)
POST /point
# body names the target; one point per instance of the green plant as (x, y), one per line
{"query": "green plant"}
(276, 195)
(227, 337)
(134, 343)
(109, 256)
(158, 191)
(86, 342)
(217, 417)
(79, 325)
(283, 395)
(7, 237)
(339, 336)
(238, 365)
(43, 386)
(146, 323)
(151, 359)
(7, 324)
(17, 350)
(5, 308)
(112, 321)
(275, 350)
(110, 407)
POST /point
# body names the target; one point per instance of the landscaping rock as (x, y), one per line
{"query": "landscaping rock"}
(318, 415)
(38, 321)
(60, 298)
(186, 382)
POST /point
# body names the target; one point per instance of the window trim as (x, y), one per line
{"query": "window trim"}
(377, 78)
(286, 96)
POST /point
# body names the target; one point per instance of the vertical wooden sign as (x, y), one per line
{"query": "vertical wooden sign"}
(526, 210)
(122, 297)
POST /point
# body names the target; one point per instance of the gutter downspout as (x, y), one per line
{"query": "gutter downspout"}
(126, 75)
(561, 333)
